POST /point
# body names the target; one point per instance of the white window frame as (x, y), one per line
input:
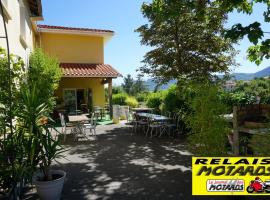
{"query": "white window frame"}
(6, 10)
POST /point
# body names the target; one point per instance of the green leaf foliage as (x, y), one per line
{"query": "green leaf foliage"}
(155, 101)
(253, 31)
(183, 43)
(44, 73)
(208, 136)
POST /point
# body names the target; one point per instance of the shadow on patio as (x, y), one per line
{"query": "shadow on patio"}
(119, 166)
(116, 165)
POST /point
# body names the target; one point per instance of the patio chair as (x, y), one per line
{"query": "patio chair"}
(170, 127)
(65, 126)
(98, 112)
(91, 126)
(131, 122)
(154, 126)
(140, 123)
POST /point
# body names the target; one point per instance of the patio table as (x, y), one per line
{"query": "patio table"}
(77, 118)
(142, 110)
(77, 121)
(155, 117)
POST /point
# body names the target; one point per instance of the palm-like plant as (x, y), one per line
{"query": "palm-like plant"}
(42, 148)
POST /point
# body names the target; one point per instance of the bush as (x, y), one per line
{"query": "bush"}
(117, 89)
(44, 73)
(155, 100)
(132, 102)
(236, 98)
(209, 131)
(260, 145)
(119, 99)
(172, 100)
(142, 97)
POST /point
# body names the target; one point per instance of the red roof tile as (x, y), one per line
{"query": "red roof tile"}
(88, 70)
(73, 28)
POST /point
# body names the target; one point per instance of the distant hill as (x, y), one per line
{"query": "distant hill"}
(263, 73)
(249, 76)
(150, 83)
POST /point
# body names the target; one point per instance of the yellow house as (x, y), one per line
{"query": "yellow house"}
(79, 50)
(81, 55)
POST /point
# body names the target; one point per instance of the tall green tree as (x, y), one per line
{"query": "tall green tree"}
(183, 43)
(44, 74)
(139, 85)
(128, 84)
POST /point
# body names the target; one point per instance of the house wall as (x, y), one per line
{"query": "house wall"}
(98, 92)
(77, 49)
(74, 48)
(18, 45)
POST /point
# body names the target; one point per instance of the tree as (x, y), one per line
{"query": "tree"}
(139, 85)
(183, 43)
(254, 31)
(44, 73)
(128, 84)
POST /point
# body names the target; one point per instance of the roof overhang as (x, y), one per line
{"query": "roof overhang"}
(106, 35)
(88, 70)
(35, 7)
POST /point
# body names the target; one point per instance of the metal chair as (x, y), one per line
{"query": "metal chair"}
(154, 125)
(91, 126)
(131, 122)
(170, 127)
(65, 126)
(140, 123)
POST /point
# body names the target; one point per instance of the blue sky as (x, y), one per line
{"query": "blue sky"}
(124, 51)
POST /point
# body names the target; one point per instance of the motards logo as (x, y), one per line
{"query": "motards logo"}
(225, 185)
(230, 175)
(240, 167)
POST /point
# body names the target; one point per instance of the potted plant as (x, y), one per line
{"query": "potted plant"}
(48, 182)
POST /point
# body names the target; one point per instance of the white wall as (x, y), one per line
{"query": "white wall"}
(14, 30)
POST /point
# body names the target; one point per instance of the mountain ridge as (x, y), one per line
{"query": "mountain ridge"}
(150, 83)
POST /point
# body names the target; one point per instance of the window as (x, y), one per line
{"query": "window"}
(23, 38)
(6, 10)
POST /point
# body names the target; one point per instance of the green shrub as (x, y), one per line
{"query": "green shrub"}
(44, 73)
(260, 145)
(155, 100)
(209, 131)
(173, 101)
(119, 99)
(236, 98)
(117, 89)
(142, 97)
(132, 102)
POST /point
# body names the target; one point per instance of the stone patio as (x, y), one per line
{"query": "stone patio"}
(117, 165)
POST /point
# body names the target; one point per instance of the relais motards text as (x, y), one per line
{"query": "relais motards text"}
(231, 175)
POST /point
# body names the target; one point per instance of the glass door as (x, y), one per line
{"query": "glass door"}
(70, 99)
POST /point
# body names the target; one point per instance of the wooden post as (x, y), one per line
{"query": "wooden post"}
(235, 132)
(110, 96)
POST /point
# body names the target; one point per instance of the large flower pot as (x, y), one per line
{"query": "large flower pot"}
(50, 190)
